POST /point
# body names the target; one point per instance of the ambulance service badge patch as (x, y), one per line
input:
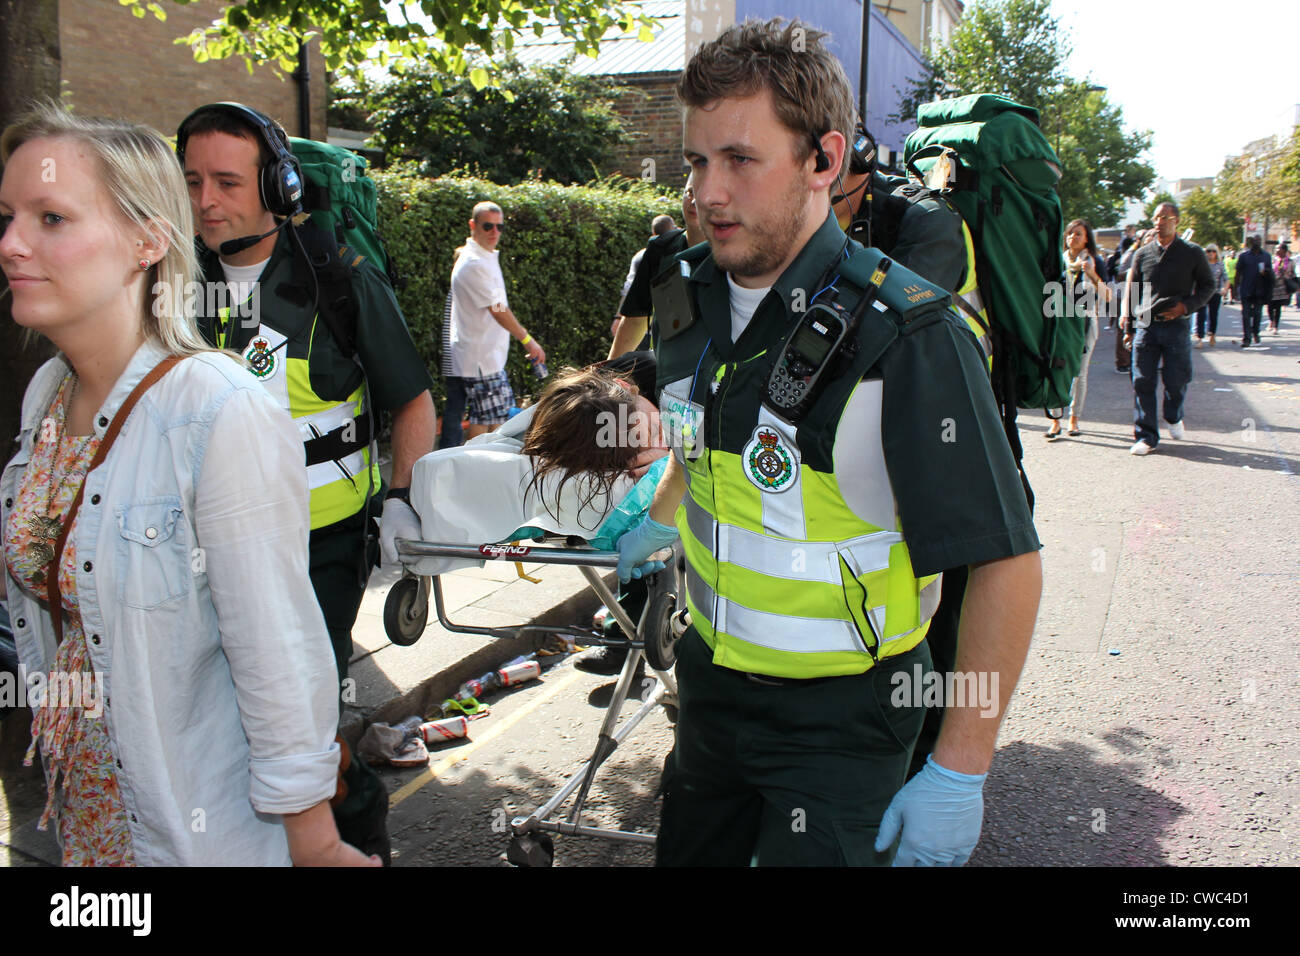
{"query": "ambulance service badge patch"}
(768, 462)
(260, 358)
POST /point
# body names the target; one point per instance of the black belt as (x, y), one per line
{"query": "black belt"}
(332, 447)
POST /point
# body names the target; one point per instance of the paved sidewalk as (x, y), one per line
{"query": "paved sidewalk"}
(1156, 719)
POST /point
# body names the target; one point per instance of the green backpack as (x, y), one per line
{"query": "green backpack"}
(986, 155)
(341, 199)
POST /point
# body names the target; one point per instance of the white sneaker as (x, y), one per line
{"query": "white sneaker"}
(1140, 448)
(1177, 431)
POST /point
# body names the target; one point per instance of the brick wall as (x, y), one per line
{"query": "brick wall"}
(653, 119)
(116, 64)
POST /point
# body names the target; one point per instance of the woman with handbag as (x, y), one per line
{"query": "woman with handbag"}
(1284, 284)
(1084, 284)
(154, 527)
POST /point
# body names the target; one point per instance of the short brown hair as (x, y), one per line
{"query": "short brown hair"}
(810, 90)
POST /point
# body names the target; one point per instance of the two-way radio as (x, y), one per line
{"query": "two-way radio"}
(810, 352)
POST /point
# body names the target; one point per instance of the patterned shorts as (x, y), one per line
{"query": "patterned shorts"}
(490, 399)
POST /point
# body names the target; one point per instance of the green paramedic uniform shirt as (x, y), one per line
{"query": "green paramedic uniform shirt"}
(954, 485)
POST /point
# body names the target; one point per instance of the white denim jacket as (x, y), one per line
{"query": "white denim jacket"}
(220, 694)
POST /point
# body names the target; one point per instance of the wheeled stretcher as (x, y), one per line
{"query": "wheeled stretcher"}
(481, 488)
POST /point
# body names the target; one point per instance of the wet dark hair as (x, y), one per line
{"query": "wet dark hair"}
(573, 412)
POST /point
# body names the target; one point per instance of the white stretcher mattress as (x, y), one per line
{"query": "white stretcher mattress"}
(481, 492)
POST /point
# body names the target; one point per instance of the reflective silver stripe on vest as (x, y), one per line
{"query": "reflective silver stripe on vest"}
(975, 302)
(783, 510)
(322, 473)
(792, 560)
(928, 599)
(782, 632)
(316, 424)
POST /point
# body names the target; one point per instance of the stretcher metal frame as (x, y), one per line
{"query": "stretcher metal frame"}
(660, 626)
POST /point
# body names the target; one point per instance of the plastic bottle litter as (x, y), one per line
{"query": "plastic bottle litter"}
(519, 673)
(449, 728)
(478, 686)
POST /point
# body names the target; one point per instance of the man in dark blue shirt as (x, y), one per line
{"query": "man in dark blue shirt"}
(1254, 282)
(1169, 281)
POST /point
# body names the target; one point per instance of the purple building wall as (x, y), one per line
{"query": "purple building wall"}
(892, 62)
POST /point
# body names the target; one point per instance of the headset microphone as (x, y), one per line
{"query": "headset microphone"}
(232, 246)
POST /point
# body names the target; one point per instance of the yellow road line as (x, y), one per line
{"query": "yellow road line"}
(463, 753)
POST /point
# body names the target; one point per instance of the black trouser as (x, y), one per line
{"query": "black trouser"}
(341, 558)
(453, 415)
(793, 773)
(1275, 312)
(1251, 307)
(1211, 307)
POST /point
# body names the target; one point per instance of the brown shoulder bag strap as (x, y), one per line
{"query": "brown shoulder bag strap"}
(52, 572)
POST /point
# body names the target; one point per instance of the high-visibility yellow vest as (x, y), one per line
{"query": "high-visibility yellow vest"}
(973, 312)
(796, 564)
(339, 485)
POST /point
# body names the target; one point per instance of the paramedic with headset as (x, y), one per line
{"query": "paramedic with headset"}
(819, 402)
(245, 185)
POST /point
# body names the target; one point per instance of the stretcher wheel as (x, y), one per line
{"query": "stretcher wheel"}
(660, 643)
(531, 849)
(406, 610)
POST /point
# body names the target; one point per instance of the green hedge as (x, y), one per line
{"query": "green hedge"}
(564, 255)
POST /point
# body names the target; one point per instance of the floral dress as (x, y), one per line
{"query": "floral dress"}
(69, 723)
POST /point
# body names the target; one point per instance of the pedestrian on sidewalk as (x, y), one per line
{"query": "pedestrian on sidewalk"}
(482, 326)
(1284, 283)
(155, 526)
(1211, 309)
(1254, 286)
(1169, 280)
(1085, 274)
(1123, 351)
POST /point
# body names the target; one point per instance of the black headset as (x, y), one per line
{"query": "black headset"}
(280, 180)
(862, 152)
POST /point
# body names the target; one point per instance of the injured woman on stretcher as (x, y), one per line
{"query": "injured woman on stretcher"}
(583, 460)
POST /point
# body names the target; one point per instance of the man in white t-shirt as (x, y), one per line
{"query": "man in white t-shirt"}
(481, 328)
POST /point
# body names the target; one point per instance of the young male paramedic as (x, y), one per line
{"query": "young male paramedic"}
(819, 497)
(242, 179)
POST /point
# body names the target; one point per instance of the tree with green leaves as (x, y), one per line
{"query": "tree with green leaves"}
(1016, 48)
(436, 32)
(1101, 168)
(1264, 181)
(541, 122)
(1212, 218)
(1149, 210)
(1011, 47)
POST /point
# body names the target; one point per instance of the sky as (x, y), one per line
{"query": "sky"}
(1206, 77)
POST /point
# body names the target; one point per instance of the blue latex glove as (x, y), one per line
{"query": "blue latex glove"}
(940, 813)
(638, 544)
